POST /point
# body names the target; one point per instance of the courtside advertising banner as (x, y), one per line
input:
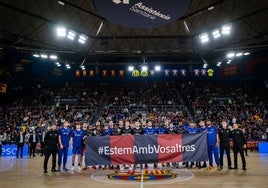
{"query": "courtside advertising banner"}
(141, 149)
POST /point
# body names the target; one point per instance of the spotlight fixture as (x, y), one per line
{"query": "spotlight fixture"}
(216, 34)
(71, 35)
(226, 30)
(239, 54)
(53, 57)
(44, 56)
(82, 38)
(36, 55)
(218, 64)
(68, 66)
(230, 55)
(205, 65)
(61, 32)
(157, 68)
(82, 67)
(58, 64)
(130, 68)
(204, 37)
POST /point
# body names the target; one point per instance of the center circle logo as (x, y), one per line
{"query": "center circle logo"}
(154, 176)
(148, 175)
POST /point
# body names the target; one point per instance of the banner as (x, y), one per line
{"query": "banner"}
(11, 150)
(141, 13)
(141, 149)
(251, 144)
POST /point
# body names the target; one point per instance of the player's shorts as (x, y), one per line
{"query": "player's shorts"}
(77, 150)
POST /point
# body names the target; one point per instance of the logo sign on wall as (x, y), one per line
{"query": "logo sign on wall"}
(141, 13)
(11, 150)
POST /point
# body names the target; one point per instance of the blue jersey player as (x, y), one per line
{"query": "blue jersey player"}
(213, 144)
(150, 130)
(77, 138)
(163, 128)
(64, 139)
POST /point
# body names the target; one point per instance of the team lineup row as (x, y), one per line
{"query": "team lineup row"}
(58, 141)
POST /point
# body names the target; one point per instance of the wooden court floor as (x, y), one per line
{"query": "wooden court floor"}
(28, 173)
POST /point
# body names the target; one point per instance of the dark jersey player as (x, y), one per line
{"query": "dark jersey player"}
(51, 144)
(239, 143)
(224, 138)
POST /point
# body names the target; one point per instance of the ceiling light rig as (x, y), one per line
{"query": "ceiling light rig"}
(54, 57)
(230, 56)
(157, 68)
(226, 29)
(46, 56)
(67, 66)
(215, 34)
(205, 65)
(204, 38)
(130, 68)
(219, 64)
(62, 32)
(36, 55)
(82, 39)
(238, 54)
(51, 57)
(71, 35)
(58, 64)
(83, 67)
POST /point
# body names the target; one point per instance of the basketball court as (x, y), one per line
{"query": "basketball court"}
(28, 172)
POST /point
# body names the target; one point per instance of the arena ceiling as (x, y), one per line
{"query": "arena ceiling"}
(30, 26)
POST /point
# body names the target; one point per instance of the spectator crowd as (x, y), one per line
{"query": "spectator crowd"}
(104, 105)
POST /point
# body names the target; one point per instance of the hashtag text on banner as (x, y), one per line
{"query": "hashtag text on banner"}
(142, 149)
